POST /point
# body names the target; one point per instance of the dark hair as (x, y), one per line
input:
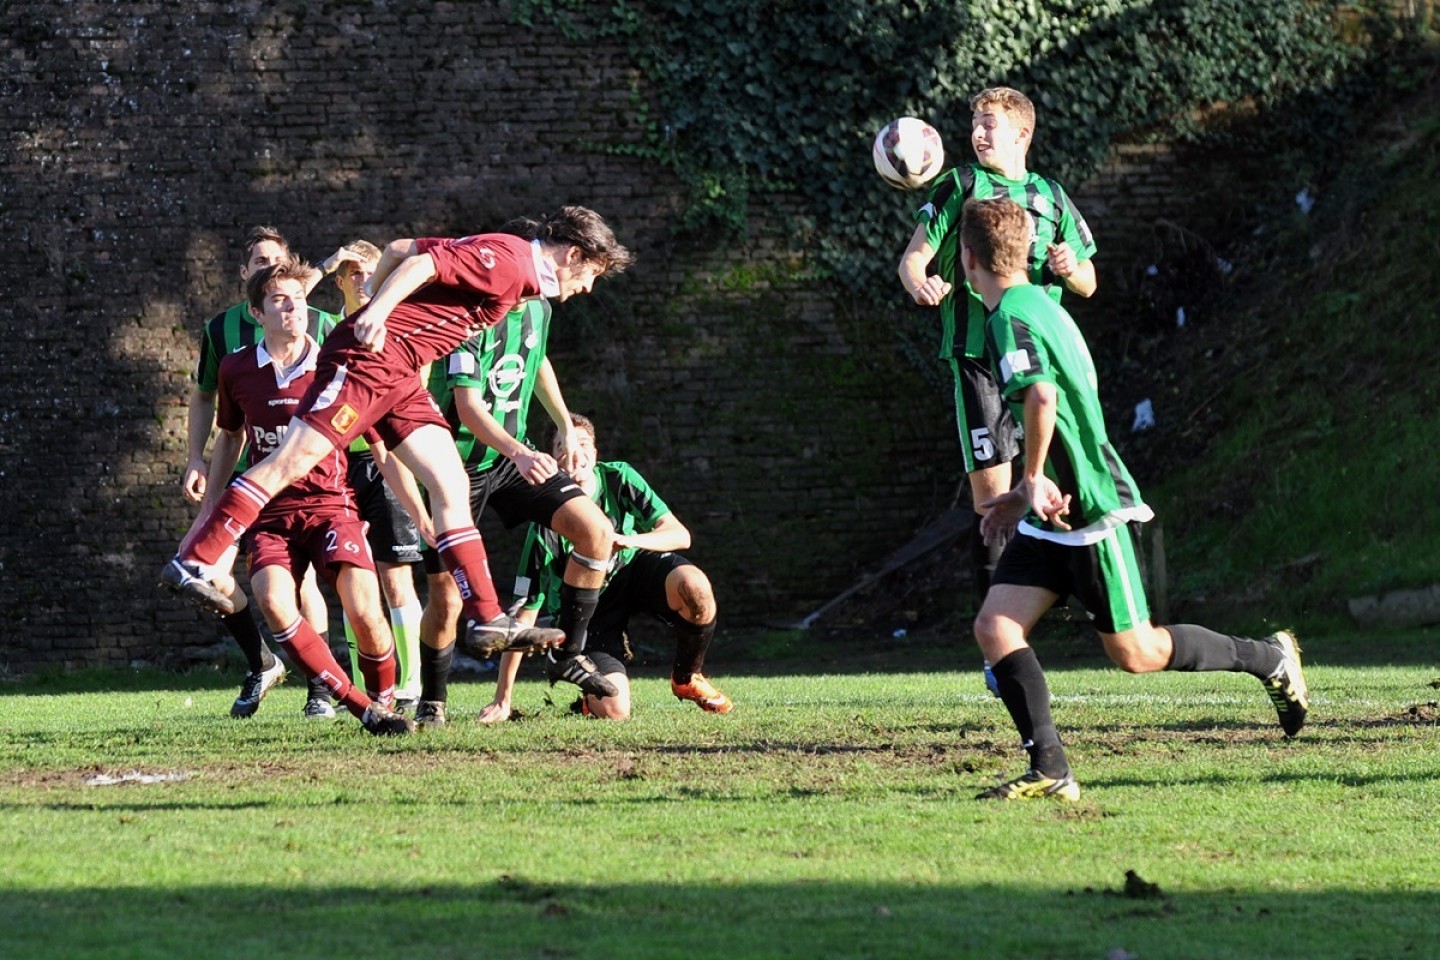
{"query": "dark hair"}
(261, 280)
(258, 235)
(579, 227)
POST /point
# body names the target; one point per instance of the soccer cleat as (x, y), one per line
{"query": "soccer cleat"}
(581, 671)
(1286, 686)
(384, 722)
(186, 579)
(318, 708)
(430, 714)
(504, 634)
(253, 688)
(702, 693)
(1033, 784)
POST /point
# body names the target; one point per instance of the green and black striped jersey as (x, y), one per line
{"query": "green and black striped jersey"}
(624, 497)
(1053, 219)
(1031, 339)
(503, 363)
(237, 328)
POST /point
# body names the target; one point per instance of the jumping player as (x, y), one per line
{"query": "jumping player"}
(433, 294)
(646, 576)
(1076, 509)
(311, 522)
(1058, 258)
(485, 388)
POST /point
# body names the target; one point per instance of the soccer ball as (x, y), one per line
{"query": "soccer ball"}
(908, 153)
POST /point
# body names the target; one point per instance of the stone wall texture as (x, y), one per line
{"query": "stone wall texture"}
(141, 140)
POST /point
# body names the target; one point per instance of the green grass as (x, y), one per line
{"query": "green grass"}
(828, 816)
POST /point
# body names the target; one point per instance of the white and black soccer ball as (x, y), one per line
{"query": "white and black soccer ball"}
(908, 153)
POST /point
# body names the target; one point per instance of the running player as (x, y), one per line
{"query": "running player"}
(1059, 258)
(1076, 509)
(388, 509)
(646, 576)
(223, 334)
(433, 294)
(311, 522)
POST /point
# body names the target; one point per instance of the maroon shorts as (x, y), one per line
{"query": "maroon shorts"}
(358, 391)
(299, 541)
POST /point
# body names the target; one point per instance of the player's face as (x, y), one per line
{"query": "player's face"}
(575, 274)
(262, 255)
(585, 463)
(351, 279)
(284, 311)
(998, 142)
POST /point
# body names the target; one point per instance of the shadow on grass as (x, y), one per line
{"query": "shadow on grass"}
(514, 917)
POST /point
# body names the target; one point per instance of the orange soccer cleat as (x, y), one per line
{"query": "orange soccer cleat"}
(703, 693)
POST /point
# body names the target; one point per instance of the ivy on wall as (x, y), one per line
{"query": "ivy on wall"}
(750, 98)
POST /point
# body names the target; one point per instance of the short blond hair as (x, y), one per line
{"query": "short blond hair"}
(997, 231)
(364, 249)
(1014, 103)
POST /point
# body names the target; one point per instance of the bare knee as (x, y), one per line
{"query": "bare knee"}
(692, 596)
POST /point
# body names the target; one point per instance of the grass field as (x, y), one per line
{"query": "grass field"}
(830, 815)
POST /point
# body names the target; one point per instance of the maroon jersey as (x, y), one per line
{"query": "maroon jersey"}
(478, 280)
(252, 394)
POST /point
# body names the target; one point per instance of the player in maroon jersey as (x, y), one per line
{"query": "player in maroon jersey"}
(430, 296)
(313, 521)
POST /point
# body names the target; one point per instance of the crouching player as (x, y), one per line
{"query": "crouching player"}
(1076, 508)
(645, 576)
(313, 521)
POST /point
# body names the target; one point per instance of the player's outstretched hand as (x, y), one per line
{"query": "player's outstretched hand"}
(494, 712)
(931, 292)
(1047, 502)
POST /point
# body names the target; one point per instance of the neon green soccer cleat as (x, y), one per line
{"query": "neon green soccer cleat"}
(1032, 784)
(1286, 686)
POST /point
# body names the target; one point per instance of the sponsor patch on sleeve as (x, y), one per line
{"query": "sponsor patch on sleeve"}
(1016, 361)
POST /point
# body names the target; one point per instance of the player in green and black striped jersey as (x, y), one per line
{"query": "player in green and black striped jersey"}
(484, 389)
(1075, 509)
(236, 328)
(1058, 258)
(646, 576)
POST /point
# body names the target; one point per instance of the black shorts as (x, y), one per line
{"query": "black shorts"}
(393, 536)
(988, 434)
(639, 587)
(515, 499)
(1107, 577)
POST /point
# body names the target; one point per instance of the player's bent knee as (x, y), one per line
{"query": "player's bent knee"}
(692, 596)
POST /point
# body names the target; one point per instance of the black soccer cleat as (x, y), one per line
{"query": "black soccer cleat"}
(384, 722)
(1286, 686)
(430, 714)
(505, 634)
(253, 688)
(581, 671)
(184, 578)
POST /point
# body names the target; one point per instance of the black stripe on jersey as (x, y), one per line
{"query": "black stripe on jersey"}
(1064, 469)
(1123, 489)
(622, 493)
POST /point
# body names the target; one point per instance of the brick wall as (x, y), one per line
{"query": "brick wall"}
(142, 139)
